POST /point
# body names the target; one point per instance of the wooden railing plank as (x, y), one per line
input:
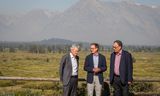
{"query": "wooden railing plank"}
(82, 79)
(57, 79)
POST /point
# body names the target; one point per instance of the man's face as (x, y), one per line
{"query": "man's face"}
(74, 51)
(116, 47)
(93, 49)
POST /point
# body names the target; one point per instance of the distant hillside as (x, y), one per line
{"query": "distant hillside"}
(87, 21)
(55, 41)
(47, 42)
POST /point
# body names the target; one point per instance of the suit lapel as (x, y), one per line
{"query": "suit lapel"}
(69, 60)
(99, 60)
(122, 60)
(77, 58)
(113, 59)
(92, 63)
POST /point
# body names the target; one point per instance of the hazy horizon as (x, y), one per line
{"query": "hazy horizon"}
(22, 6)
(133, 23)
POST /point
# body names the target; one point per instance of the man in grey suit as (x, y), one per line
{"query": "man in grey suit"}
(69, 71)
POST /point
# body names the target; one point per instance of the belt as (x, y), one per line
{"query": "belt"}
(116, 75)
(74, 76)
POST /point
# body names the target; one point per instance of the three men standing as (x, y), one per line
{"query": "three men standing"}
(121, 69)
(95, 65)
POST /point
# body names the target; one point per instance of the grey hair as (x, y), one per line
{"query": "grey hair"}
(74, 46)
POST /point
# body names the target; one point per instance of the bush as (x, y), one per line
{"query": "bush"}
(43, 86)
(48, 88)
(26, 92)
(141, 87)
(82, 89)
(10, 83)
(1, 73)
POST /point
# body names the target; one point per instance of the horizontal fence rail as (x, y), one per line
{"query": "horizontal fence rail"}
(80, 79)
(29, 79)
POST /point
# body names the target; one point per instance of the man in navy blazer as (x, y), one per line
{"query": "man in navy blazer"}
(95, 65)
(121, 69)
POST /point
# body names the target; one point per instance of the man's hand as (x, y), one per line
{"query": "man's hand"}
(129, 83)
(96, 70)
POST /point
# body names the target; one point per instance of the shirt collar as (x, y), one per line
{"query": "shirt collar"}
(96, 54)
(120, 52)
(72, 55)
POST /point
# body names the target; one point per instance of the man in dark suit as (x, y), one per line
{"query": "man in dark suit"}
(121, 69)
(95, 65)
(69, 71)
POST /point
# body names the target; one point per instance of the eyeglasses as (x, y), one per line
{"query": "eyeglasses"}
(115, 47)
(92, 48)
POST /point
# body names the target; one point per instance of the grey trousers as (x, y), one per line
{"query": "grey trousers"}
(71, 88)
(94, 86)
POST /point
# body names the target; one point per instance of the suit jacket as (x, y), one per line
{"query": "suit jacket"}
(65, 69)
(89, 65)
(125, 67)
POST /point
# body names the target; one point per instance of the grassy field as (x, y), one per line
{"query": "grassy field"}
(26, 64)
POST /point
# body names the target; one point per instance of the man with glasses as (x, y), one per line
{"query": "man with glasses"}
(121, 69)
(95, 65)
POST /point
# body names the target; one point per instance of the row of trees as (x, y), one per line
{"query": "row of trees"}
(42, 48)
(34, 48)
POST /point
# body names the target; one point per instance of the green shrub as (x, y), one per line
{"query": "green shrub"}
(8, 83)
(82, 89)
(26, 92)
(141, 87)
(1, 73)
(43, 86)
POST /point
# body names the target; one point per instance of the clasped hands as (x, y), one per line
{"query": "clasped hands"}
(96, 70)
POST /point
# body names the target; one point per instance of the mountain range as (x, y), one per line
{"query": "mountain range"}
(87, 21)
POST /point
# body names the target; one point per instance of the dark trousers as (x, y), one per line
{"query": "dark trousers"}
(71, 88)
(119, 88)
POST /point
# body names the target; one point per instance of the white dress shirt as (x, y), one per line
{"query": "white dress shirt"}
(74, 65)
(95, 60)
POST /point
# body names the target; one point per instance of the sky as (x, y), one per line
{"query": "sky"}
(13, 6)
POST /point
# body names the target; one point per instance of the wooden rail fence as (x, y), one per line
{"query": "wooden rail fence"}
(82, 79)
(57, 79)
